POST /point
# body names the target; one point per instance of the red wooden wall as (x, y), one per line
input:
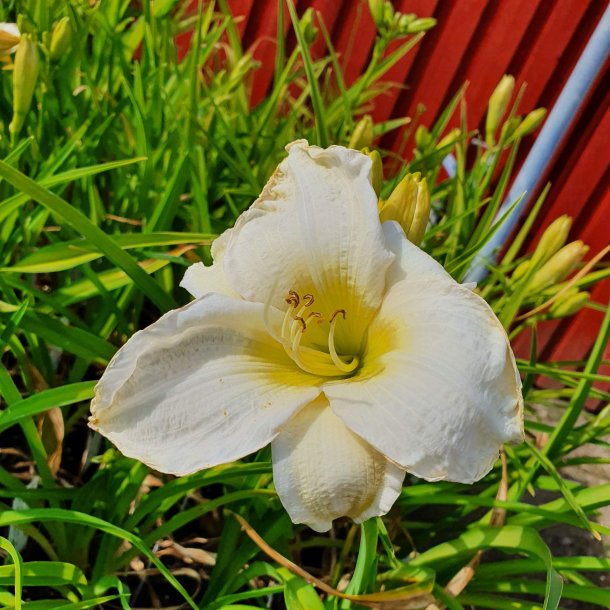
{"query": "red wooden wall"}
(539, 42)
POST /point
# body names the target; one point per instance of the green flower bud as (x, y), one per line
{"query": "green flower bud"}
(422, 138)
(450, 139)
(572, 302)
(420, 215)
(409, 205)
(25, 75)
(529, 123)
(552, 239)
(498, 103)
(310, 31)
(508, 130)
(60, 39)
(559, 266)
(376, 170)
(362, 137)
(376, 8)
(421, 25)
(520, 270)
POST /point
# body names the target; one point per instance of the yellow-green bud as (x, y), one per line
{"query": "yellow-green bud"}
(409, 205)
(552, 239)
(529, 123)
(388, 13)
(60, 38)
(9, 38)
(423, 24)
(508, 130)
(520, 270)
(559, 265)
(310, 31)
(568, 305)
(421, 214)
(362, 137)
(450, 139)
(25, 75)
(376, 8)
(498, 103)
(376, 170)
(422, 138)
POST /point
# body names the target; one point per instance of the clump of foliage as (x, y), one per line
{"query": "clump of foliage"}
(125, 165)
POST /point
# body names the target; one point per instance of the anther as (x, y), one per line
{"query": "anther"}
(302, 322)
(336, 313)
(293, 298)
(308, 299)
(315, 314)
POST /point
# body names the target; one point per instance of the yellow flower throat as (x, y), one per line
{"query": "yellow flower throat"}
(297, 320)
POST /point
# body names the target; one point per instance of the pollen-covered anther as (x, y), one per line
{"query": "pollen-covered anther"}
(336, 313)
(293, 298)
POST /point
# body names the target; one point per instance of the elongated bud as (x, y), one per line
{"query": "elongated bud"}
(25, 75)
(310, 31)
(422, 138)
(450, 139)
(9, 38)
(570, 304)
(552, 239)
(409, 205)
(498, 103)
(520, 270)
(376, 8)
(421, 214)
(60, 39)
(509, 129)
(529, 123)
(559, 265)
(376, 170)
(363, 133)
(423, 24)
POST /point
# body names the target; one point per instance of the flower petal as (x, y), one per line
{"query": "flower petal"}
(9, 37)
(322, 471)
(314, 229)
(199, 280)
(439, 390)
(204, 385)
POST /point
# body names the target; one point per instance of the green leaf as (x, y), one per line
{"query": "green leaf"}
(69, 254)
(316, 97)
(45, 400)
(16, 517)
(44, 573)
(509, 538)
(299, 595)
(77, 220)
(15, 578)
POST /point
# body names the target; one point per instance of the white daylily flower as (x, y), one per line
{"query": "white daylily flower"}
(329, 335)
(9, 38)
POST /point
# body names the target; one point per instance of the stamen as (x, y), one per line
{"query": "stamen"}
(293, 298)
(346, 367)
(308, 358)
(336, 313)
(294, 329)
